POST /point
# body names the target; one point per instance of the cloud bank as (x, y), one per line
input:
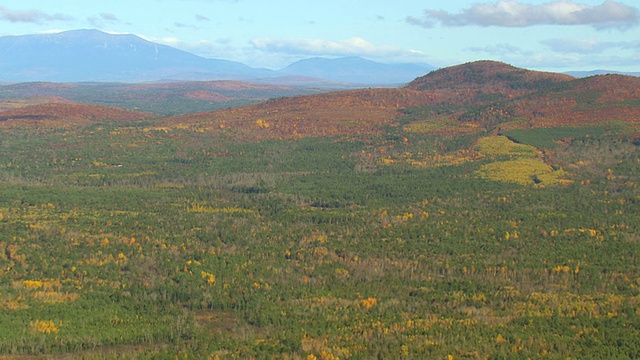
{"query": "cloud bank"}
(350, 47)
(30, 16)
(511, 13)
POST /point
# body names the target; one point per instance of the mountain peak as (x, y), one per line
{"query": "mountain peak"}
(485, 74)
(93, 55)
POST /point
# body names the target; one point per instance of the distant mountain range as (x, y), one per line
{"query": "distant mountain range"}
(356, 70)
(92, 55)
(582, 74)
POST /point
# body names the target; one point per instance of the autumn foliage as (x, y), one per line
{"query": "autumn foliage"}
(463, 221)
(61, 114)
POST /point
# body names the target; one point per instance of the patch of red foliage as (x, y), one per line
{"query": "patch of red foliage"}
(207, 96)
(337, 113)
(366, 111)
(40, 86)
(590, 101)
(9, 104)
(492, 94)
(58, 114)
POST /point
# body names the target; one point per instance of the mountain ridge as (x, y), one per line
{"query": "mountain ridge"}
(93, 55)
(484, 96)
(354, 69)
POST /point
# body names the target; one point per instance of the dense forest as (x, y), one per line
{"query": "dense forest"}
(449, 231)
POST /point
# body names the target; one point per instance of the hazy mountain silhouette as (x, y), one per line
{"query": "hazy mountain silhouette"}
(357, 70)
(92, 55)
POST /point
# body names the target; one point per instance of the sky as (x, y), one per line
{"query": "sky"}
(544, 35)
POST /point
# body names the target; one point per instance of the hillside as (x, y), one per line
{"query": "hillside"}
(337, 113)
(162, 98)
(484, 96)
(20, 102)
(590, 101)
(480, 96)
(492, 75)
(65, 114)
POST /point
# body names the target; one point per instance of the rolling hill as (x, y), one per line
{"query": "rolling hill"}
(488, 77)
(162, 98)
(481, 96)
(61, 113)
(486, 96)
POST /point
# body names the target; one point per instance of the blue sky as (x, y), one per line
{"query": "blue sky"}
(535, 34)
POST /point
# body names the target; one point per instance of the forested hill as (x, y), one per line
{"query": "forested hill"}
(487, 76)
(484, 95)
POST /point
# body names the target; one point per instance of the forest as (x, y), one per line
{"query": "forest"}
(434, 236)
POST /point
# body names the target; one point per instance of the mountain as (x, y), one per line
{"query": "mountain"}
(92, 56)
(356, 70)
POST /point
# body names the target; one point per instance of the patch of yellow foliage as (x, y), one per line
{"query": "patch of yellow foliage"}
(44, 326)
(525, 166)
(368, 303)
(430, 160)
(514, 163)
(262, 124)
(502, 146)
(523, 171)
(47, 290)
(199, 208)
(441, 125)
(210, 278)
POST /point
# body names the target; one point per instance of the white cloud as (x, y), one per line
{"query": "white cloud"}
(511, 13)
(350, 47)
(583, 46)
(568, 55)
(573, 61)
(278, 53)
(30, 16)
(218, 48)
(499, 50)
